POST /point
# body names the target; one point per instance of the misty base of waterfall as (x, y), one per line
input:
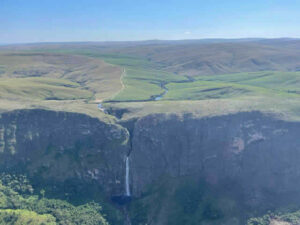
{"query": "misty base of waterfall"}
(121, 199)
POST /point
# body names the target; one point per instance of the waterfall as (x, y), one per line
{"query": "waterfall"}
(127, 188)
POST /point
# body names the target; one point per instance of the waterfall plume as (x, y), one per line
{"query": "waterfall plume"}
(127, 188)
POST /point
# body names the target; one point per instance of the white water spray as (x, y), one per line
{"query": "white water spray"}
(127, 177)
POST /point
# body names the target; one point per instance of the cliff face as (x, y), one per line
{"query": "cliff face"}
(59, 146)
(250, 153)
(251, 156)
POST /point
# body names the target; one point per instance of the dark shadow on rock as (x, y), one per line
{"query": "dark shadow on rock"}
(121, 199)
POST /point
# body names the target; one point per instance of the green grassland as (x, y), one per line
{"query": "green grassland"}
(91, 74)
(142, 84)
(56, 82)
(279, 84)
(270, 92)
(41, 88)
(142, 79)
(126, 81)
(276, 81)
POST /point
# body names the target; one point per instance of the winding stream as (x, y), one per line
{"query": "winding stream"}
(163, 86)
(160, 96)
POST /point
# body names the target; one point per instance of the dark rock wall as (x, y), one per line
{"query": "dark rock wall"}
(256, 155)
(61, 145)
(259, 156)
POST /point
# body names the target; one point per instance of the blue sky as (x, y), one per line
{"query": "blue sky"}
(23, 21)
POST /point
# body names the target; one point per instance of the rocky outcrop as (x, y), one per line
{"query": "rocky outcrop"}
(255, 155)
(59, 146)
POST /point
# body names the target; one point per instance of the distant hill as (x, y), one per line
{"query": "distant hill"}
(199, 57)
(219, 57)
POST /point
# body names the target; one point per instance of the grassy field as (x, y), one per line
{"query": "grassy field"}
(277, 81)
(279, 84)
(270, 92)
(94, 75)
(56, 82)
(39, 88)
(76, 79)
(142, 79)
(141, 85)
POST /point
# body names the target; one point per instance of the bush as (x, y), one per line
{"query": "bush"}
(20, 217)
(16, 207)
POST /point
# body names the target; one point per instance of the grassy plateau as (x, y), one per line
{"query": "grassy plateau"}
(77, 79)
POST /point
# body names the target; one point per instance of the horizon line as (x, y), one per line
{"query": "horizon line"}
(149, 40)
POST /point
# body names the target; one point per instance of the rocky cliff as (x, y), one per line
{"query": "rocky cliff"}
(59, 146)
(251, 157)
